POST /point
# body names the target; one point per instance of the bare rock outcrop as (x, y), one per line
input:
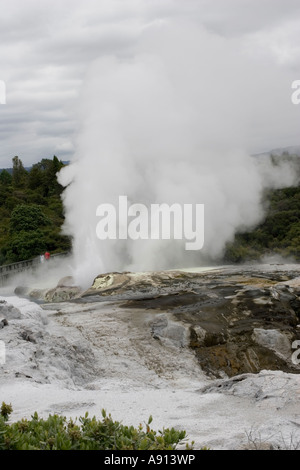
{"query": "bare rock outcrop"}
(238, 322)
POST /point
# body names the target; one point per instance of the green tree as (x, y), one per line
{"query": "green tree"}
(5, 178)
(35, 177)
(31, 209)
(19, 173)
(44, 176)
(27, 217)
(25, 245)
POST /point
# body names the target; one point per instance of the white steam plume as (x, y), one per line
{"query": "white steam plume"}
(173, 122)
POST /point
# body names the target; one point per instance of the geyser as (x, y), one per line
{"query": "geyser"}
(173, 121)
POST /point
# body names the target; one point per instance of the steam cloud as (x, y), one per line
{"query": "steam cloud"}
(173, 121)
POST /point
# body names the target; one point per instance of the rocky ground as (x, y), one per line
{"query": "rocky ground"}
(235, 323)
(213, 351)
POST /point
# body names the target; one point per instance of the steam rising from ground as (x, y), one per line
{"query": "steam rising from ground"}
(41, 276)
(174, 121)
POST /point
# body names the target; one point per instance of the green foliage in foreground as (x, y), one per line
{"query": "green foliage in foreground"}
(59, 433)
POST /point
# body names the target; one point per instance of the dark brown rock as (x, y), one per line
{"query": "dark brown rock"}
(238, 323)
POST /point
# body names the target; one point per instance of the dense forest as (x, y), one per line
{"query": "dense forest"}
(31, 211)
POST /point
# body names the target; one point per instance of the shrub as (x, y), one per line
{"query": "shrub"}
(59, 433)
(25, 245)
(27, 217)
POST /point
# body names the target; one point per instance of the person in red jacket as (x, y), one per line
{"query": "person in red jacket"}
(47, 255)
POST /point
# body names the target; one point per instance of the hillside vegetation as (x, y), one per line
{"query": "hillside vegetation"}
(31, 211)
(279, 233)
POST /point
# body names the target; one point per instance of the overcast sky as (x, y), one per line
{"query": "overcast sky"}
(46, 49)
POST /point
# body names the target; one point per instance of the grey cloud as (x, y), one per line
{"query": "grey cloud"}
(46, 50)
